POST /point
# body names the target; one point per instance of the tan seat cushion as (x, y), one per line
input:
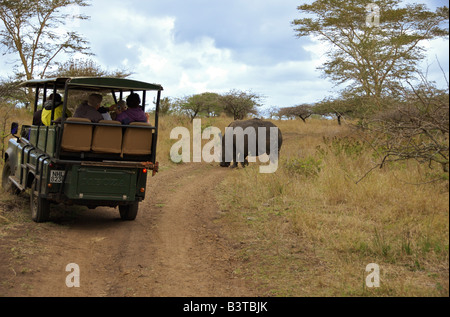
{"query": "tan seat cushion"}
(137, 141)
(107, 139)
(77, 138)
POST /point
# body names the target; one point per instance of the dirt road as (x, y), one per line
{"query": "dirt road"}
(175, 247)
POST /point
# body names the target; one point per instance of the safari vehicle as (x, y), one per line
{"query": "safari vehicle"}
(77, 162)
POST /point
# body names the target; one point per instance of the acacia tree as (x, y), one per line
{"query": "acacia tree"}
(189, 105)
(372, 57)
(200, 104)
(34, 32)
(303, 111)
(239, 104)
(212, 106)
(348, 106)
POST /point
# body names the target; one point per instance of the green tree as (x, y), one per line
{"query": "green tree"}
(211, 104)
(371, 57)
(205, 104)
(303, 111)
(240, 104)
(335, 107)
(33, 31)
(350, 106)
(190, 107)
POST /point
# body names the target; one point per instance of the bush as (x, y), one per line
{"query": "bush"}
(345, 146)
(303, 166)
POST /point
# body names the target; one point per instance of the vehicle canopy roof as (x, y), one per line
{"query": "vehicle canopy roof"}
(99, 84)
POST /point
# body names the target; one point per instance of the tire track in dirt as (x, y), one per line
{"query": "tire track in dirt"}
(173, 248)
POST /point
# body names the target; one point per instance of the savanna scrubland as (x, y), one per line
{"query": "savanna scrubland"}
(370, 188)
(312, 227)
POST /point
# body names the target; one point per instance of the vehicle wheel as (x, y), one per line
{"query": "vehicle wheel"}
(7, 185)
(40, 207)
(129, 212)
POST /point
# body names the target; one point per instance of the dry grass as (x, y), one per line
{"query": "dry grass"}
(310, 230)
(7, 116)
(167, 123)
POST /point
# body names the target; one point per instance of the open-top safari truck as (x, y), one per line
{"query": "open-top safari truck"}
(75, 161)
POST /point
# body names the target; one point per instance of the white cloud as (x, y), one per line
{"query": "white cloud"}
(196, 46)
(186, 68)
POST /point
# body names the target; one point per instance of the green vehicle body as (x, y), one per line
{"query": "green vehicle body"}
(35, 159)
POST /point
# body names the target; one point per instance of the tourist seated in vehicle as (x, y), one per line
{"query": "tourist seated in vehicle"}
(46, 115)
(134, 113)
(117, 108)
(89, 108)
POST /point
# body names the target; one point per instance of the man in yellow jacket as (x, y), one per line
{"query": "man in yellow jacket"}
(47, 109)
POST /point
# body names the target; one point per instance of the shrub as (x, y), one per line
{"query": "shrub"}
(303, 166)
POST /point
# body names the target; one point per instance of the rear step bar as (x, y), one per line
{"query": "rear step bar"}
(125, 164)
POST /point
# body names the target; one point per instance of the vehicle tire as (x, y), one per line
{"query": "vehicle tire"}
(40, 207)
(129, 212)
(7, 185)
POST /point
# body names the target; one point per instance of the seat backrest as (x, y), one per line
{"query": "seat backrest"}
(77, 137)
(137, 141)
(107, 139)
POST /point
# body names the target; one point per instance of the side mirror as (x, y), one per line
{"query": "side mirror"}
(14, 128)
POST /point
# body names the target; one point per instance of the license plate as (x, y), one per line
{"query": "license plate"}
(56, 177)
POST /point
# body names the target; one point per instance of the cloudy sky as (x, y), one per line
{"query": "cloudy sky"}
(202, 45)
(195, 46)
